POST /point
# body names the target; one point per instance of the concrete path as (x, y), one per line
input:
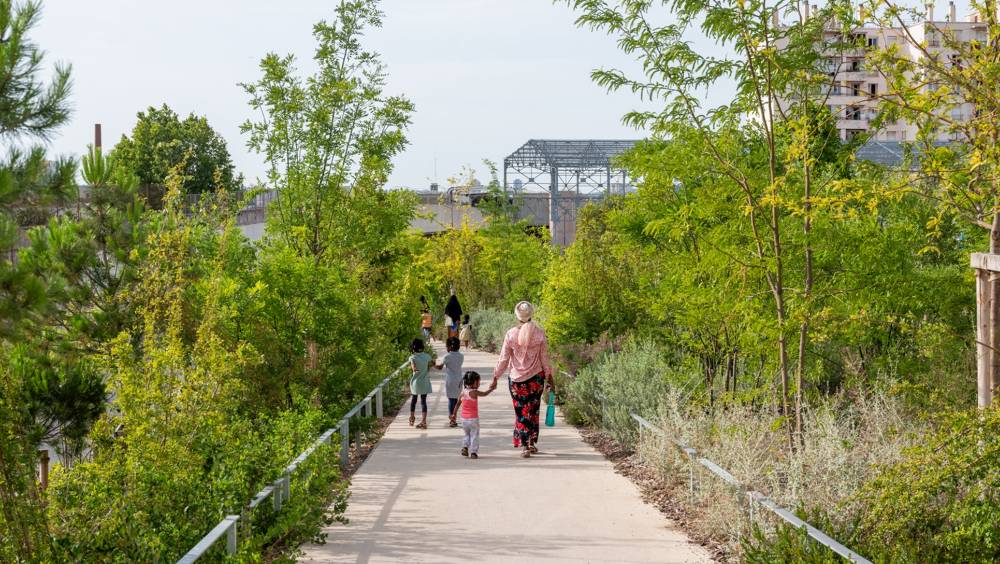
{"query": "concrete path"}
(416, 499)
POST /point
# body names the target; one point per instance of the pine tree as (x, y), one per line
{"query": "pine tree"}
(31, 110)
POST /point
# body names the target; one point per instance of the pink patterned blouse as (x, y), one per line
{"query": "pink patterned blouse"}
(524, 361)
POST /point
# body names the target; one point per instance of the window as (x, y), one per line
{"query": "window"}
(956, 114)
(853, 112)
(855, 88)
(872, 42)
(854, 65)
(873, 89)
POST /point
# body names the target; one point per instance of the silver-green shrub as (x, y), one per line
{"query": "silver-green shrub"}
(489, 326)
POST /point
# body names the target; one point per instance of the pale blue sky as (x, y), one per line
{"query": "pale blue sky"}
(485, 75)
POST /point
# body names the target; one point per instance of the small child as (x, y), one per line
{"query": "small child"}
(420, 381)
(426, 319)
(452, 364)
(468, 402)
(466, 334)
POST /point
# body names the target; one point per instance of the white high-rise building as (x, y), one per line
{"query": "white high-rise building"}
(856, 87)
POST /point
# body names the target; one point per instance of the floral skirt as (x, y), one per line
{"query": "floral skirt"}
(527, 396)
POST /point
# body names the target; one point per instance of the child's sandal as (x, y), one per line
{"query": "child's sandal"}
(421, 425)
(412, 419)
(465, 451)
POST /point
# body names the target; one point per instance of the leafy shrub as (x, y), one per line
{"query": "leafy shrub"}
(939, 502)
(631, 381)
(789, 544)
(489, 328)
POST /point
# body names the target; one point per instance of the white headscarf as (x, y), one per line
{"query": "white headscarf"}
(525, 334)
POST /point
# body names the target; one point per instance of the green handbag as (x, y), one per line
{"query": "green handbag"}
(550, 412)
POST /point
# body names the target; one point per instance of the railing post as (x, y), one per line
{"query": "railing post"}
(640, 443)
(287, 484)
(277, 492)
(357, 432)
(378, 402)
(345, 440)
(231, 535)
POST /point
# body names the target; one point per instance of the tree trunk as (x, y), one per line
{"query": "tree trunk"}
(778, 288)
(807, 297)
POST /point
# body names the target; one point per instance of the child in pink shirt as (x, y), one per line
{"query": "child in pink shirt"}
(468, 406)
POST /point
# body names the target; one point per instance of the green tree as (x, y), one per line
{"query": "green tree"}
(329, 140)
(160, 141)
(89, 265)
(493, 265)
(327, 136)
(31, 109)
(942, 80)
(765, 143)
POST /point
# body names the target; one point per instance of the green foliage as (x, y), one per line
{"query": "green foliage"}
(939, 504)
(160, 141)
(63, 399)
(633, 380)
(32, 108)
(490, 327)
(602, 279)
(328, 137)
(495, 265)
(788, 544)
(23, 528)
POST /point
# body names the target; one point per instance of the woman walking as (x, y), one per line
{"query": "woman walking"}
(526, 351)
(452, 316)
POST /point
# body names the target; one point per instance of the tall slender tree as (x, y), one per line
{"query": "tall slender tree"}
(329, 140)
(764, 142)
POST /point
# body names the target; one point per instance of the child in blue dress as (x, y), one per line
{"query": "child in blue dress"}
(420, 381)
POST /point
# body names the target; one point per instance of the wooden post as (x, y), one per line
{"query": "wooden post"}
(43, 468)
(983, 356)
(987, 266)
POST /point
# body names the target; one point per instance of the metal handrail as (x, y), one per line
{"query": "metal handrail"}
(280, 490)
(753, 496)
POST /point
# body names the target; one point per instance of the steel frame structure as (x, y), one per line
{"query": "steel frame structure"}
(573, 172)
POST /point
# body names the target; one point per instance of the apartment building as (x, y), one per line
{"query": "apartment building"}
(855, 87)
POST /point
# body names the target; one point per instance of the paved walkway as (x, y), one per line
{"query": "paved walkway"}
(416, 499)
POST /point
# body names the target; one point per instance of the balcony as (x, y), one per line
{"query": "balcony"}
(852, 124)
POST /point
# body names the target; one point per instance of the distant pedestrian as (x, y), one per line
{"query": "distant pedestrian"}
(420, 381)
(465, 335)
(426, 322)
(452, 364)
(468, 404)
(452, 315)
(526, 351)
